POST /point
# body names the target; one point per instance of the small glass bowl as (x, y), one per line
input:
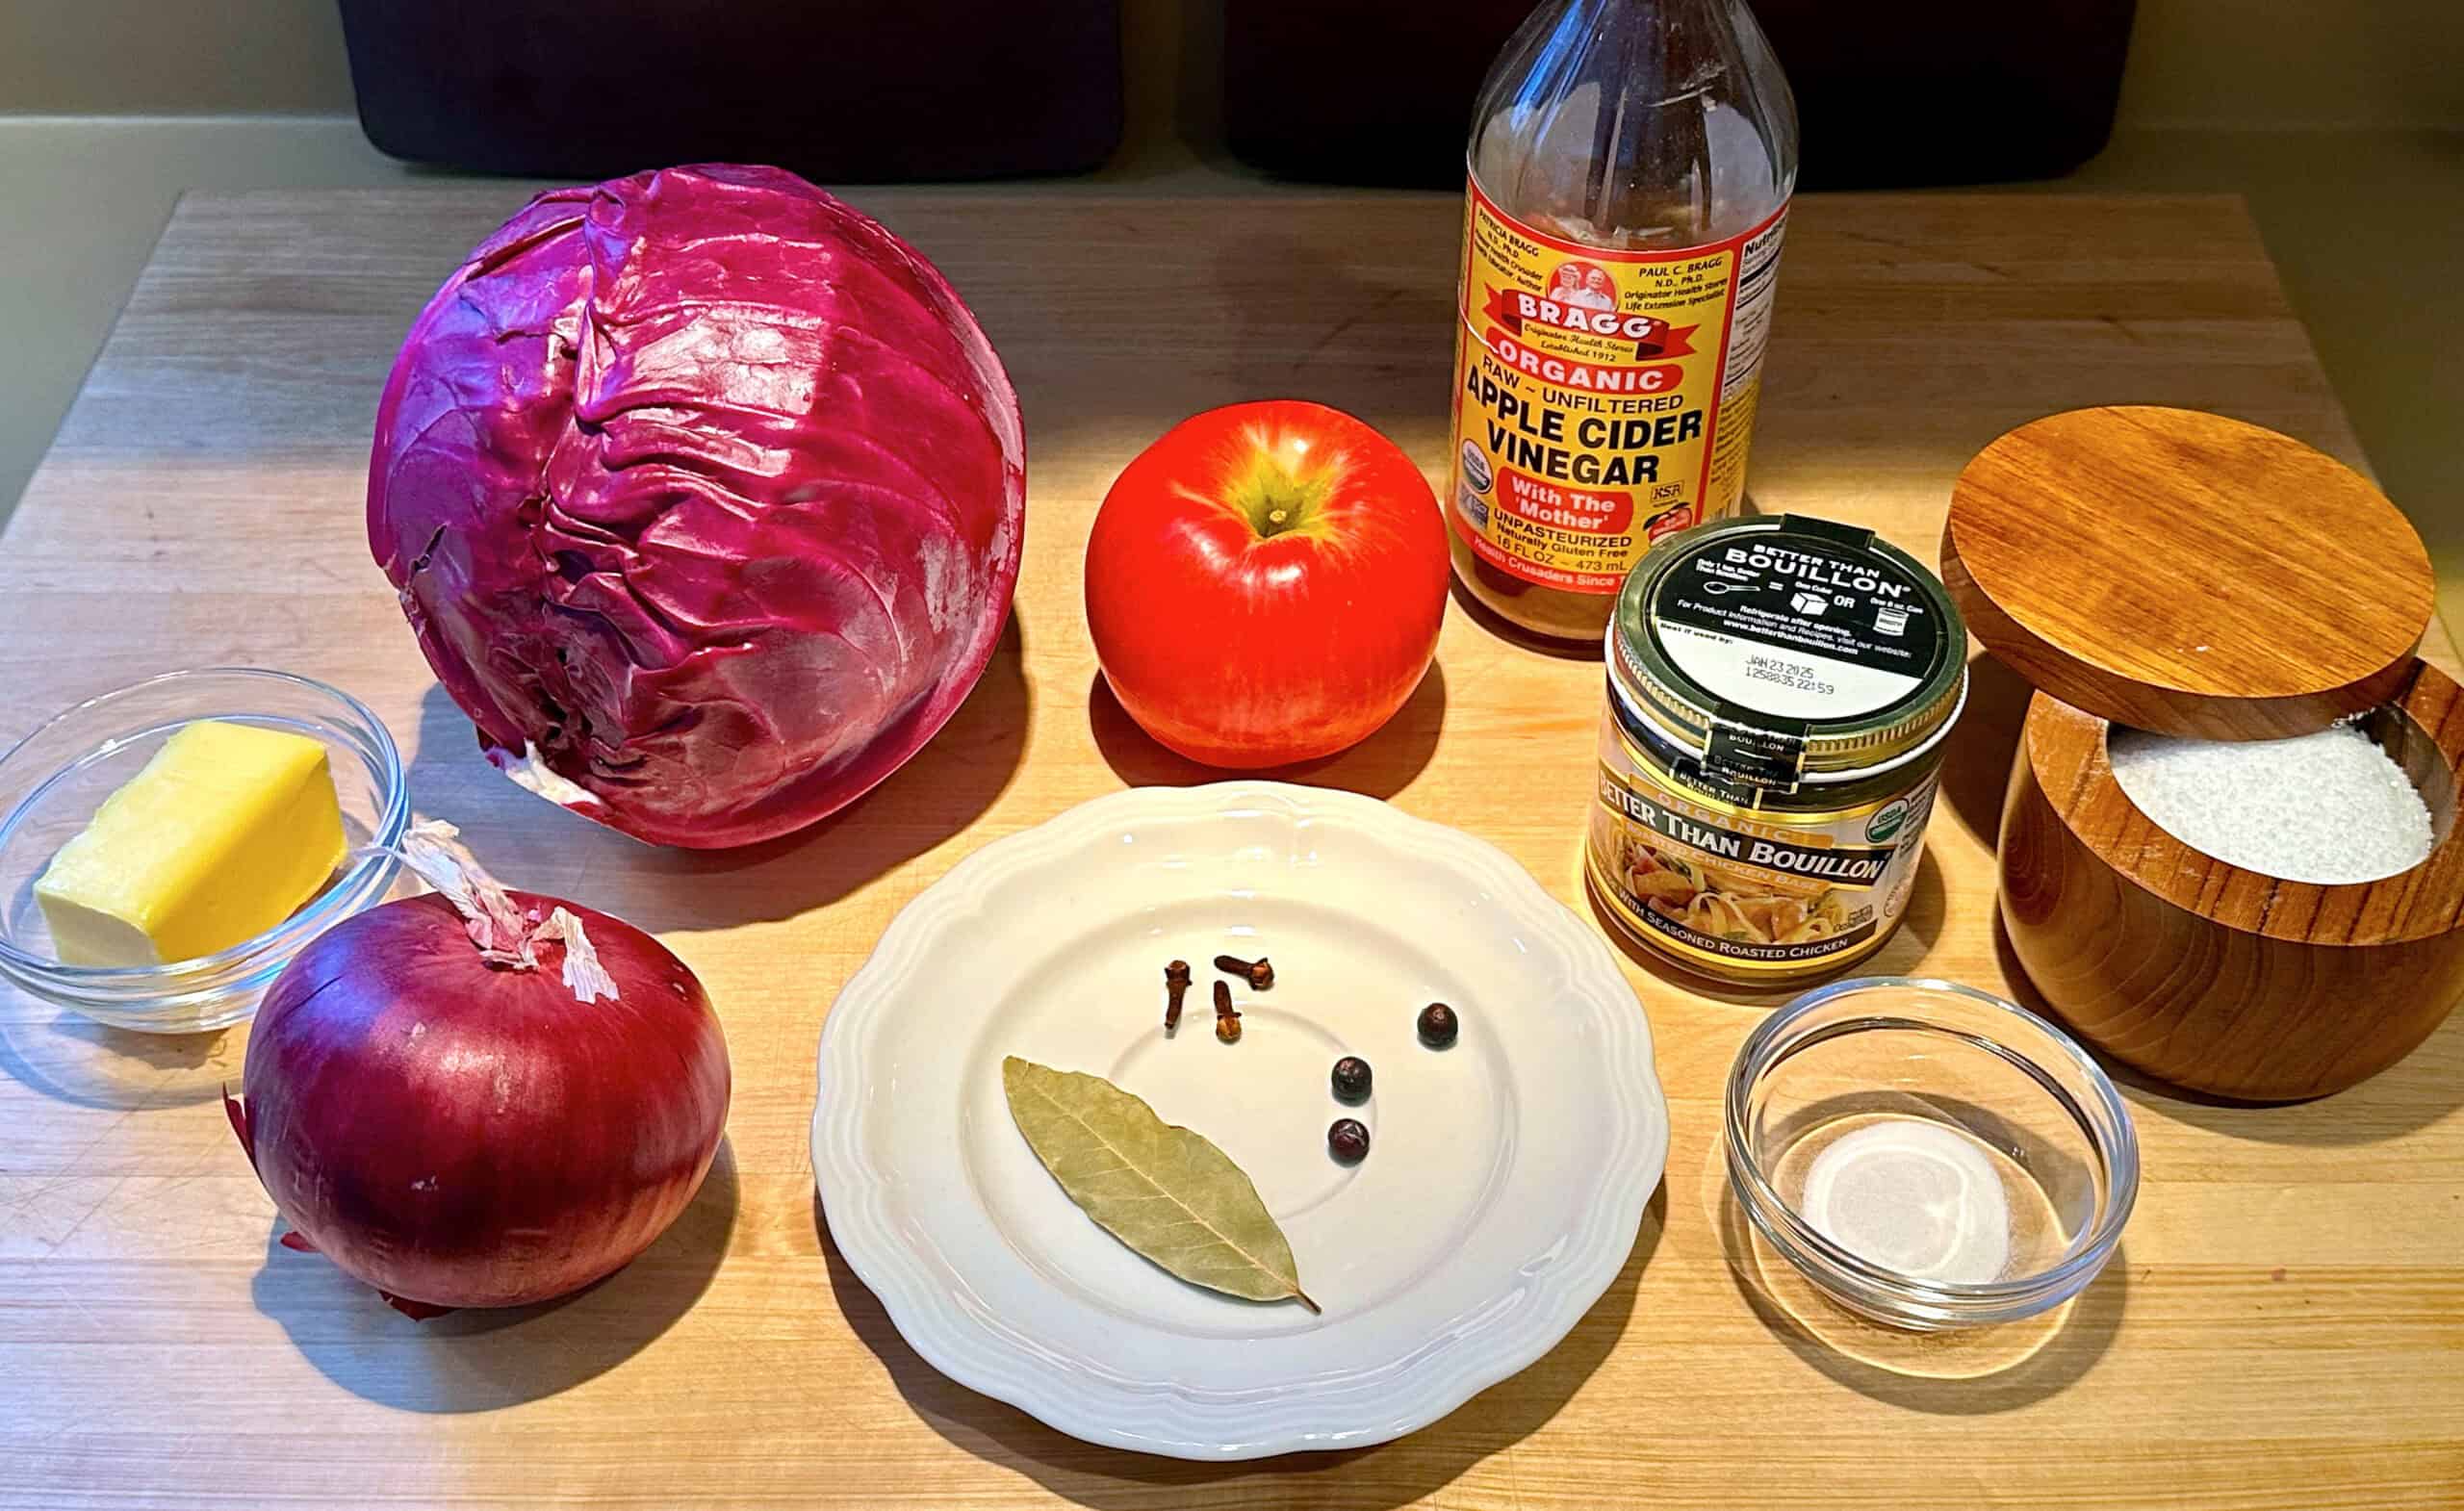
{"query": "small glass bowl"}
(55, 778)
(2048, 1121)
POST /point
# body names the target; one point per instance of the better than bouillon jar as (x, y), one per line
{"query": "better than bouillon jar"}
(1778, 692)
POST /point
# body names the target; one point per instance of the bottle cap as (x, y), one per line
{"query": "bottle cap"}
(1778, 650)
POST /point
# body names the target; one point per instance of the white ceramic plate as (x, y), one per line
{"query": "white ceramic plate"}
(1502, 1190)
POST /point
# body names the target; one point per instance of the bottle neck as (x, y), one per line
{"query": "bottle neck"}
(1637, 124)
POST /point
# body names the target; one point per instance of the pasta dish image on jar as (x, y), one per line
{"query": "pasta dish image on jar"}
(1733, 906)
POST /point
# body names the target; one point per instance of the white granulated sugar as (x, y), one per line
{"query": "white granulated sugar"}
(2325, 807)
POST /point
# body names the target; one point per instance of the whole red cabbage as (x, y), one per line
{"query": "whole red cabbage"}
(704, 495)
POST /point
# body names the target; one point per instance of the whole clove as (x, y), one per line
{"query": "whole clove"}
(1227, 1017)
(1258, 973)
(1176, 981)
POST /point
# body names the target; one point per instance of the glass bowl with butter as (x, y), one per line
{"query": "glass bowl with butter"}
(1926, 1155)
(168, 847)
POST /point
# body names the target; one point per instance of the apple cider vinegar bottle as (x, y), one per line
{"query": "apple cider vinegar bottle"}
(1629, 172)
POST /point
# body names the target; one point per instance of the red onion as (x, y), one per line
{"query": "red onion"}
(478, 1097)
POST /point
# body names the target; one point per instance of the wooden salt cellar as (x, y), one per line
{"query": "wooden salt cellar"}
(2195, 575)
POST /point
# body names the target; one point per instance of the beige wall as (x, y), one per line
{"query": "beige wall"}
(2207, 63)
(2234, 64)
(172, 57)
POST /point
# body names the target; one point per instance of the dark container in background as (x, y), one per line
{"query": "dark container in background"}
(1926, 92)
(836, 90)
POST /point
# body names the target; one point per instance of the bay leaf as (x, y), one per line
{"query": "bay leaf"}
(1168, 1193)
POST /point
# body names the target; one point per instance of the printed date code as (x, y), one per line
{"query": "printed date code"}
(1786, 674)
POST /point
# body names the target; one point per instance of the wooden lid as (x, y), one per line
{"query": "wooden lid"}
(2187, 574)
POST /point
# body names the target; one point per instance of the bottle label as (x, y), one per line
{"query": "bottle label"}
(1602, 399)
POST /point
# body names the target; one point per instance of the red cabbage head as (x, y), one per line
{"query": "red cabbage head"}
(703, 494)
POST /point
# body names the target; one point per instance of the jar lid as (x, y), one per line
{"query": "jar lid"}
(2187, 574)
(1786, 648)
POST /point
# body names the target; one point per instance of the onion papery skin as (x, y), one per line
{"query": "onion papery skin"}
(464, 1134)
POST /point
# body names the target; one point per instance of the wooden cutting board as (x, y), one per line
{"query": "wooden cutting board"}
(2284, 1325)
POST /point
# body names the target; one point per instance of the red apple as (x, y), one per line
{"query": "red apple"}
(1265, 583)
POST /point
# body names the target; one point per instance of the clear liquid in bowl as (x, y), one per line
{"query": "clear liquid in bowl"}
(1921, 1197)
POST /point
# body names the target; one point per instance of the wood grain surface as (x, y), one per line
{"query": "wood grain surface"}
(2186, 572)
(2211, 976)
(2283, 1326)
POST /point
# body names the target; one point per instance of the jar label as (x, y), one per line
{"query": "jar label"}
(1731, 889)
(1603, 399)
(1802, 622)
(1742, 757)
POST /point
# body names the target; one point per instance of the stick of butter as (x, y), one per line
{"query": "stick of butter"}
(223, 834)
